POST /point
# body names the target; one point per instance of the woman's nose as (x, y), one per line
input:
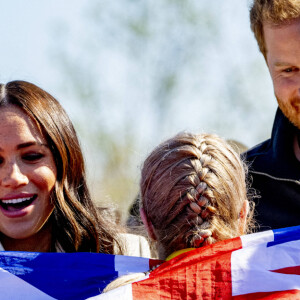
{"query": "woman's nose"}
(12, 176)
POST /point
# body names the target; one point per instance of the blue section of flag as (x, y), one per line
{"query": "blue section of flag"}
(284, 235)
(64, 275)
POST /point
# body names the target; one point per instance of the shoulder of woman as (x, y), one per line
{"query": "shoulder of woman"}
(134, 245)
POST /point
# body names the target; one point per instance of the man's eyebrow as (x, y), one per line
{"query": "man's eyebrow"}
(282, 64)
(28, 144)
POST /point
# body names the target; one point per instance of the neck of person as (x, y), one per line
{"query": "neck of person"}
(39, 242)
(297, 147)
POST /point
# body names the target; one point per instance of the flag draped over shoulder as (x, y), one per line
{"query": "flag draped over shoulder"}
(45, 276)
(263, 265)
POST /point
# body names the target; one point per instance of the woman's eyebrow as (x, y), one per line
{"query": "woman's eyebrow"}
(28, 144)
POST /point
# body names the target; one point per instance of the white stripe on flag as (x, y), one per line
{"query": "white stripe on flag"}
(251, 268)
(121, 293)
(13, 287)
(257, 238)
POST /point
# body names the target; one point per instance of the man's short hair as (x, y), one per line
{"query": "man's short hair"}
(273, 12)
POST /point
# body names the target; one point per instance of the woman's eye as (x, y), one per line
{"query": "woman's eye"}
(32, 156)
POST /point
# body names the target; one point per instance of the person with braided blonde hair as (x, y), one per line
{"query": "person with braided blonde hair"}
(193, 193)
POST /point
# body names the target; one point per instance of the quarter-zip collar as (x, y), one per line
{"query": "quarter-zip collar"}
(276, 156)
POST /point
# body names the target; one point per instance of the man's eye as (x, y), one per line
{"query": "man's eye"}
(290, 70)
(32, 156)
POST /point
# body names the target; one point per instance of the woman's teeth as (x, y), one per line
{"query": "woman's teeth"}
(15, 201)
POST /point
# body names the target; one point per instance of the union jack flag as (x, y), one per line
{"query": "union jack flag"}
(263, 265)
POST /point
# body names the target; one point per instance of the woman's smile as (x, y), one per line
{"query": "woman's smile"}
(14, 205)
(27, 175)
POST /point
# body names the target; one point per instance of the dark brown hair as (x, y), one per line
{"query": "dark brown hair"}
(76, 224)
(192, 191)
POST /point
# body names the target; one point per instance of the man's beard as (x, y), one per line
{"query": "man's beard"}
(291, 109)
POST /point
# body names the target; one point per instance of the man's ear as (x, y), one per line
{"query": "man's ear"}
(148, 224)
(243, 216)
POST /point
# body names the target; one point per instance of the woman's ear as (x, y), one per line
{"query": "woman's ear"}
(243, 217)
(148, 224)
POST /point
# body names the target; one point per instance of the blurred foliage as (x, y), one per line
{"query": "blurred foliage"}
(136, 71)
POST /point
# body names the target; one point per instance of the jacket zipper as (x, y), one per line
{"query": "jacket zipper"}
(276, 178)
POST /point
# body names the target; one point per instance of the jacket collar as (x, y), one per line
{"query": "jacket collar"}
(276, 156)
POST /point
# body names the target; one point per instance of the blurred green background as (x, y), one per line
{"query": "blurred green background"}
(131, 73)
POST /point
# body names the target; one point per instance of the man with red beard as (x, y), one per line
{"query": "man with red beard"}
(275, 163)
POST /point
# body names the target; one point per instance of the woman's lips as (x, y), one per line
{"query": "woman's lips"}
(15, 206)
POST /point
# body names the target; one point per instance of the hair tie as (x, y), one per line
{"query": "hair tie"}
(202, 237)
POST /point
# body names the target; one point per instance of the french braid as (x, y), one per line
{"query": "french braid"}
(192, 191)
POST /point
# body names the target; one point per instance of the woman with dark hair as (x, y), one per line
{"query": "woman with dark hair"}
(45, 204)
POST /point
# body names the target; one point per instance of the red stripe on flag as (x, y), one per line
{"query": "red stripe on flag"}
(154, 263)
(286, 295)
(204, 273)
(289, 270)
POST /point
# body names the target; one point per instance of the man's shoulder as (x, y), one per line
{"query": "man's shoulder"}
(258, 150)
(260, 158)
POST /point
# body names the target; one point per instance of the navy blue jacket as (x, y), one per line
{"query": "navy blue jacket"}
(275, 173)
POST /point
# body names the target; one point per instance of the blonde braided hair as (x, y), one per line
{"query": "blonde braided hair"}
(192, 190)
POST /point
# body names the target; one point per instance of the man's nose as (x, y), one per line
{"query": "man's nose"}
(12, 176)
